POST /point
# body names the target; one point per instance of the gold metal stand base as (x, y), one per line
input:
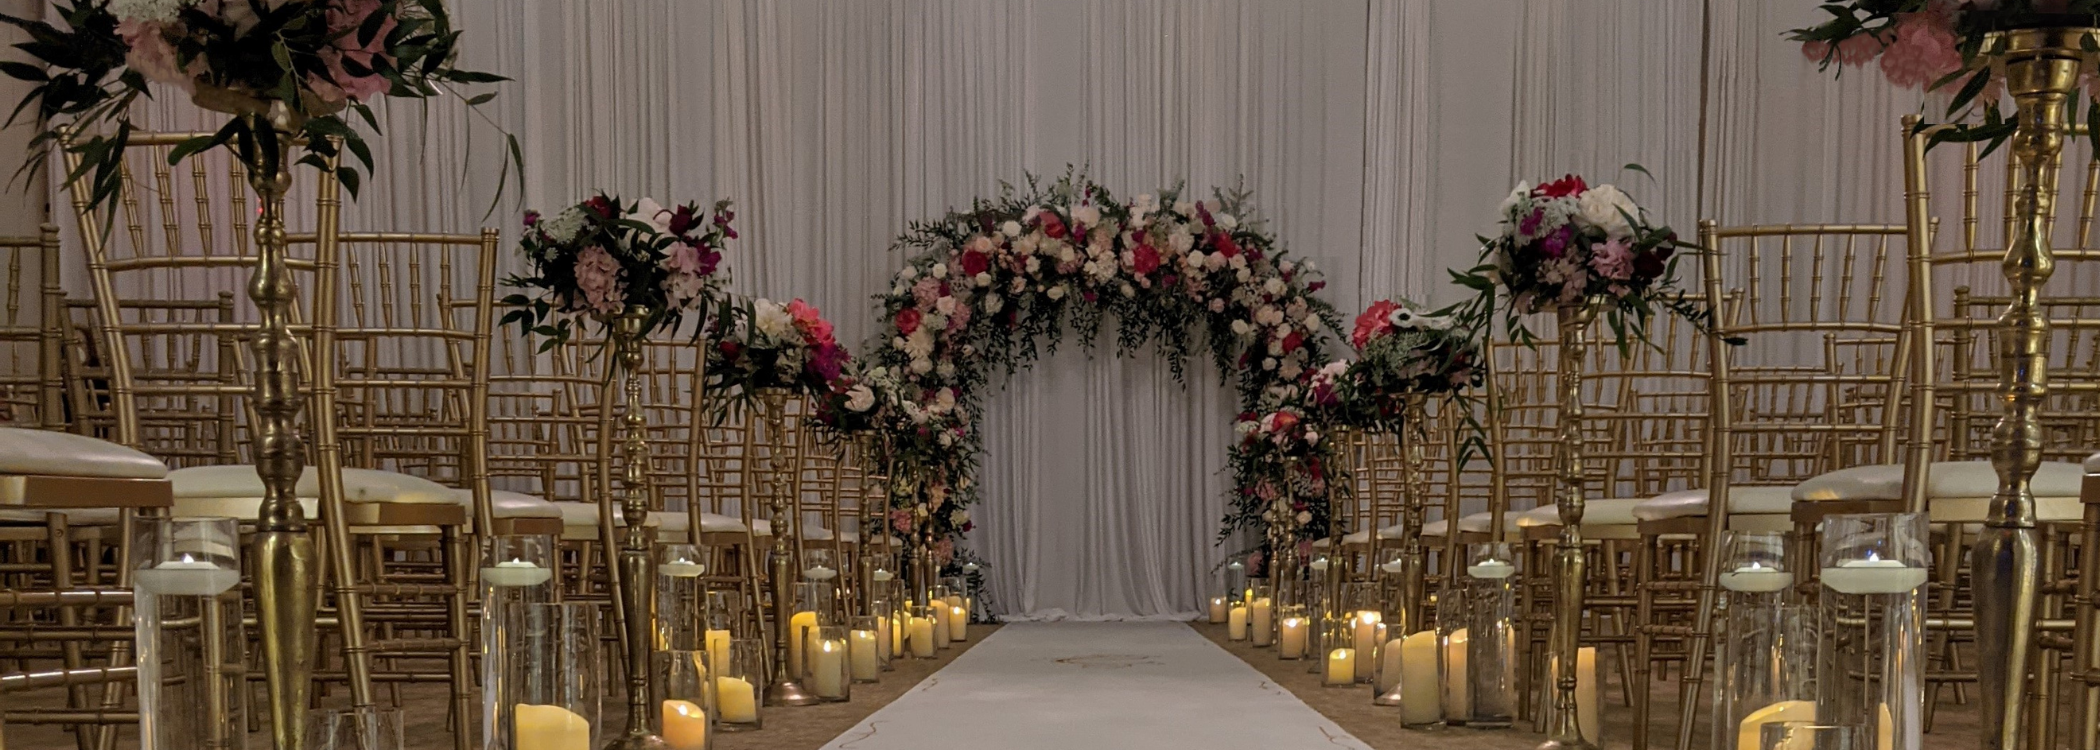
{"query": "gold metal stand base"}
(638, 742)
(1574, 744)
(789, 693)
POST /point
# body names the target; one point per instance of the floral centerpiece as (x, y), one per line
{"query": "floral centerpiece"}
(765, 344)
(1283, 462)
(906, 433)
(602, 256)
(320, 57)
(989, 285)
(1564, 244)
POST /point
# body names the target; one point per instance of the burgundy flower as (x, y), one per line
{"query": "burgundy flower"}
(1223, 242)
(532, 218)
(1053, 226)
(974, 262)
(602, 206)
(1144, 259)
(1562, 188)
(908, 320)
(1556, 244)
(730, 350)
(1292, 342)
(682, 220)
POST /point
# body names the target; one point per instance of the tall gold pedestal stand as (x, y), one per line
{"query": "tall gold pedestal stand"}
(2041, 72)
(1570, 569)
(784, 689)
(637, 579)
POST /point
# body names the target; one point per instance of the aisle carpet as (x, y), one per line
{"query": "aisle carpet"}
(1039, 686)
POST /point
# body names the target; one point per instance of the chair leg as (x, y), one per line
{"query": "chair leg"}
(456, 551)
(2086, 641)
(1643, 637)
(59, 538)
(349, 604)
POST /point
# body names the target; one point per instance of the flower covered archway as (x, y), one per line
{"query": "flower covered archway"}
(986, 288)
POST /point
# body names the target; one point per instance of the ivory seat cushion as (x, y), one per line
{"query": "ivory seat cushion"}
(810, 532)
(1944, 480)
(1436, 528)
(1472, 523)
(1755, 500)
(508, 504)
(359, 485)
(74, 516)
(1617, 511)
(2092, 464)
(716, 523)
(64, 454)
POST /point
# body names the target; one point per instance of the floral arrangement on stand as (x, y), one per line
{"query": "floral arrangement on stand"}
(1565, 243)
(594, 259)
(986, 287)
(1284, 463)
(906, 434)
(1943, 46)
(764, 344)
(1402, 350)
(321, 57)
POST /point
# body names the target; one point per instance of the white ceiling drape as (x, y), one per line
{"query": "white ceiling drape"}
(1377, 135)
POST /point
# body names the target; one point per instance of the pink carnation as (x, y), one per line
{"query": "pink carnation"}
(1922, 49)
(811, 322)
(598, 277)
(153, 57)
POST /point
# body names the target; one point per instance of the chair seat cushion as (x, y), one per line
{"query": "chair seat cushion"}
(1617, 511)
(74, 516)
(508, 504)
(1436, 528)
(2092, 464)
(577, 515)
(64, 454)
(359, 485)
(1755, 500)
(1484, 521)
(1945, 480)
(716, 523)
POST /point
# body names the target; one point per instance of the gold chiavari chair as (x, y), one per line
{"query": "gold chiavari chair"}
(735, 517)
(1814, 387)
(31, 387)
(2085, 671)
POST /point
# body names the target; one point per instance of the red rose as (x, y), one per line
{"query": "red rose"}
(974, 262)
(908, 320)
(1144, 259)
(602, 206)
(1223, 242)
(682, 220)
(1562, 188)
(730, 350)
(1374, 322)
(1053, 226)
(1292, 341)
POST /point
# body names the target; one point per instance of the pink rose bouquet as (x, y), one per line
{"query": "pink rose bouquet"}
(602, 256)
(765, 344)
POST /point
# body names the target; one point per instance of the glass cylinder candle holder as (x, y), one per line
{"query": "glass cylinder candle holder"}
(815, 604)
(820, 565)
(1293, 632)
(1261, 616)
(369, 728)
(681, 597)
(1410, 675)
(919, 632)
(724, 623)
(1367, 629)
(1767, 647)
(1338, 651)
(958, 609)
(1872, 625)
(517, 575)
(1491, 629)
(879, 619)
(738, 683)
(187, 619)
(1220, 610)
(544, 688)
(864, 647)
(684, 706)
(828, 669)
(1234, 582)
(1453, 651)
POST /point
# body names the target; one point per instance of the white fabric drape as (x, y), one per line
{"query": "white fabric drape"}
(1377, 136)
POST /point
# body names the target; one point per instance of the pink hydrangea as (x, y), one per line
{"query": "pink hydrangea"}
(1921, 50)
(152, 56)
(1612, 259)
(1853, 51)
(598, 277)
(926, 291)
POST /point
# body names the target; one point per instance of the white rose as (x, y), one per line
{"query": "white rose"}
(1228, 222)
(1312, 324)
(994, 303)
(1185, 208)
(772, 319)
(984, 278)
(1606, 207)
(1515, 197)
(653, 214)
(921, 366)
(899, 343)
(1055, 292)
(1268, 363)
(1129, 291)
(947, 438)
(860, 397)
(1240, 328)
(945, 369)
(940, 270)
(1217, 305)
(1273, 286)
(1011, 228)
(1243, 274)
(945, 306)
(564, 226)
(899, 290)
(908, 273)
(1194, 259)
(1087, 216)
(959, 517)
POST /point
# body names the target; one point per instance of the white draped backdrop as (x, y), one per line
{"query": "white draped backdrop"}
(1377, 136)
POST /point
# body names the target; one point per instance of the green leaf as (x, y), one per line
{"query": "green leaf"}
(23, 71)
(480, 99)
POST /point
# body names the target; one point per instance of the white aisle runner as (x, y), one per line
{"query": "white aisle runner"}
(1100, 686)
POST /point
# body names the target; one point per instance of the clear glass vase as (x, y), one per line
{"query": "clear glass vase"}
(1338, 651)
(369, 728)
(738, 684)
(1491, 629)
(864, 648)
(827, 672)
(187, 619)
(1294, 633)
(1765, 663)
(1454, 639)
(1261, 616)
(517, 576)
(1872, 625)
(545, 686)
(681, 598)
(684, 705)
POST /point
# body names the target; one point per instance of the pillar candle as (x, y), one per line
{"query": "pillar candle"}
(1885, 728)
(1389, 669)
(1341, 667)
(900, 626)
(1217, 610)
(798, 630)
(1261, 616)
(549, 728)
(827, 668)
(1236, 624)
(958, 623)
(717, 650)
(1586, 704)
(685, 725)
(1421, 701)
(867, 664)
(1456, 682)
(736, 699)
(922, 637)
(940, 629)
(885, 643)
(1369, 632)
(1750, 734)
(1292, 643)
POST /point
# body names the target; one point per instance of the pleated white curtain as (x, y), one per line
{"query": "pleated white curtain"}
(1377, 136)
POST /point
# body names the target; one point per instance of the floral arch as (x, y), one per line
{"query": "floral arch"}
(985, 288)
